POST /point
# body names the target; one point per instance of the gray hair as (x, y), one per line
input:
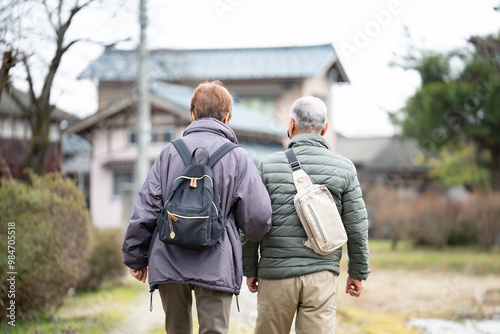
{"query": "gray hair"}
(309, 114)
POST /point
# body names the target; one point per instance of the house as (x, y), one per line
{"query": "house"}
(264, 82)
(390, 161)
(267, 80)
(15, 135)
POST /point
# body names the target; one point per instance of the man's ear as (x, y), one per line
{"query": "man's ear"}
(325, 129)
(192, 116)
(292, 126)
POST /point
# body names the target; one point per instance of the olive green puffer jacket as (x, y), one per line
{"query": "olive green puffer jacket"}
(282, 254)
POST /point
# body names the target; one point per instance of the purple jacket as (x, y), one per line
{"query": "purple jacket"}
(244, 200)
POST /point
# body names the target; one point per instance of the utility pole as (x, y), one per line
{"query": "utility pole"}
(142, 164)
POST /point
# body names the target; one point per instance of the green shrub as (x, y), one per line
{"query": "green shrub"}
(462, 233)
(105, 262)
(52, 229)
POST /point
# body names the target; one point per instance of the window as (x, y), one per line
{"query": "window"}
(159, 135)
(265, 105)
(119, 179)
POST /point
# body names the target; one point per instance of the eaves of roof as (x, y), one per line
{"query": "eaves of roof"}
(176, 99)
(112, 109)
(222, 64)
(9, 106)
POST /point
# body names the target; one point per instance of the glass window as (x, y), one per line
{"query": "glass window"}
(120, 178)
(265, 105)
(159, 135)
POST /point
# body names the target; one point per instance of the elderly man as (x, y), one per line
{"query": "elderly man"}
(289, 277)
(214, 273)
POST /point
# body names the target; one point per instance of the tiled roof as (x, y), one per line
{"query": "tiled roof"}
(223, 64)
(382, 153)
(244, 121)
(243, 118)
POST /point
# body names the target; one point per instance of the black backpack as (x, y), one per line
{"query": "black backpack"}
(191, 216)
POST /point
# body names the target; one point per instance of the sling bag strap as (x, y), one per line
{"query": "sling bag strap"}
(292, 160)
(300, 178)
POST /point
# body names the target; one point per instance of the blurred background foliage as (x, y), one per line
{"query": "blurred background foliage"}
(57, 249)
(457, 107)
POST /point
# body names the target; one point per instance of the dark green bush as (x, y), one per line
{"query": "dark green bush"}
(105, 262)
(52, 229)
(462, 233)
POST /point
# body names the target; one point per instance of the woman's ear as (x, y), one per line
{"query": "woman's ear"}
(226, 119)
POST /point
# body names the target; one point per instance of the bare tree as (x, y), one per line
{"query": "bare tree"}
(40, 110)
(53, 20)
(9, 58)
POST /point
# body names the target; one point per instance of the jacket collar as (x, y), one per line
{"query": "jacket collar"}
(309, 139)
(211, 125)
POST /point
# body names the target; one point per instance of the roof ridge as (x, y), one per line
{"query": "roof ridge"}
(227, 49)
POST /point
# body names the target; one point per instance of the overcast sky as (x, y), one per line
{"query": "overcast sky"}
(366, 34)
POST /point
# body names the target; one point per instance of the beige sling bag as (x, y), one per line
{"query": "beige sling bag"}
(317, 211)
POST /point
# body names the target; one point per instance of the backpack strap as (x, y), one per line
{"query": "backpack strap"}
(180, 146)
(222, 151)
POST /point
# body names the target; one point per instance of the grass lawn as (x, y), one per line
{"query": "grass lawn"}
(467, 259)
(89, 312)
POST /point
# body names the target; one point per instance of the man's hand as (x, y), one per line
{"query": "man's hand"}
(354, 287)
(140, 274)
(253, 284)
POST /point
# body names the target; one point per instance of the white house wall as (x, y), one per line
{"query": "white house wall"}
(110, 146)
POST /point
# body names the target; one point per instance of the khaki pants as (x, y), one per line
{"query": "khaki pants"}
(313, 297)
(213, 309)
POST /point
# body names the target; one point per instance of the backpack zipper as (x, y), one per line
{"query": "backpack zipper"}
(317, 223)
(174, 216)
(216, 211)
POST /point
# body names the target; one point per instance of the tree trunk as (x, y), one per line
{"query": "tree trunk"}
(39, 143)
(8, 61)
(495, 168)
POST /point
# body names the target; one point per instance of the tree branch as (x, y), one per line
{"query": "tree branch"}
(60, 50)
(31, 85)
(49, 15)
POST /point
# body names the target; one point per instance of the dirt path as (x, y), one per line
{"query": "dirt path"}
(138, 318)
(424, 293)
(395, 295)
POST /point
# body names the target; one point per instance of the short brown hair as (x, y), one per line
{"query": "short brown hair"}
(211, 99)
